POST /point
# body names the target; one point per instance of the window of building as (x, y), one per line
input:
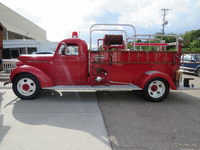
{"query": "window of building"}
(9, 53)
(15, 53)
(6, 53)
(31, 50)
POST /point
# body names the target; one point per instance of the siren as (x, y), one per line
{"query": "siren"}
(74, 34)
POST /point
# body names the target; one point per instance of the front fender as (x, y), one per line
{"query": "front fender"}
(44, 78)
(144, 78)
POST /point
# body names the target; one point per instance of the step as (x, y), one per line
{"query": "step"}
(82, 88)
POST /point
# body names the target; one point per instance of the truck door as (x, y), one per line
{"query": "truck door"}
(68, 65)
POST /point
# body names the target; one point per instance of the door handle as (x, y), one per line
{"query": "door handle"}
(83, 55)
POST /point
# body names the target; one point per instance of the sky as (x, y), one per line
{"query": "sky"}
(61, 17)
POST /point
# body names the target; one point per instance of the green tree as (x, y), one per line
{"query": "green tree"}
(191, 41)
(129, 44)
(195, 43)
(100, 48)
(191, 35)
(167, 39)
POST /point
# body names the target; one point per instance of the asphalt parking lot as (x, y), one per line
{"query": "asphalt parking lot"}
(135, 124)
(102, 120)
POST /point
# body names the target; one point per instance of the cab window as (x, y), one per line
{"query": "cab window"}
(72, 50)
(68, 50)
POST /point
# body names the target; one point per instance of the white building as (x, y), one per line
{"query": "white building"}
(21, 35)
(13, 48)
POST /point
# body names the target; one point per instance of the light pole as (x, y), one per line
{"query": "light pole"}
(164, 22)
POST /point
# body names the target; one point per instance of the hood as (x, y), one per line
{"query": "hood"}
(35, 58)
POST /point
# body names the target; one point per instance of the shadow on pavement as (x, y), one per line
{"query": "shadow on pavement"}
(3, 129)
(134, 123)
(67, 110)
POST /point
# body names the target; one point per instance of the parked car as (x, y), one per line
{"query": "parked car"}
(191, 63)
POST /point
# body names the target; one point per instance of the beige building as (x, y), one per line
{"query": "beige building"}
(18, 27)
(21, 36)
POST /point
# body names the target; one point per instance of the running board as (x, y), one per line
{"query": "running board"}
(82, 88)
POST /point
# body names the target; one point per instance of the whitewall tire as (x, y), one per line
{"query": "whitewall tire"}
(156, 89)
(26, 86)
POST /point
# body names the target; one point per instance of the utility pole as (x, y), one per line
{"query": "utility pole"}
(164, 22)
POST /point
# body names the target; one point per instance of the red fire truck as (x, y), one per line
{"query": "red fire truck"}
(113, 68)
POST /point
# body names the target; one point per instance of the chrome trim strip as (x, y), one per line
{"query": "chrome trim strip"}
(38, 62)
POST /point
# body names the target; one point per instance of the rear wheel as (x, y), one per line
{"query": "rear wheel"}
(156, 90)
(26, 86)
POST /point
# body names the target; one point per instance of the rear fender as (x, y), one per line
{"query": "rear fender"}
(144, 78)
(44, 78)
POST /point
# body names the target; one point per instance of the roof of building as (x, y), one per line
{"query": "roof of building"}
(17, 24)
(2, 27)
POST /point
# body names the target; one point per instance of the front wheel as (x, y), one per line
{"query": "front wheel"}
(26, 86)
(156, 90)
